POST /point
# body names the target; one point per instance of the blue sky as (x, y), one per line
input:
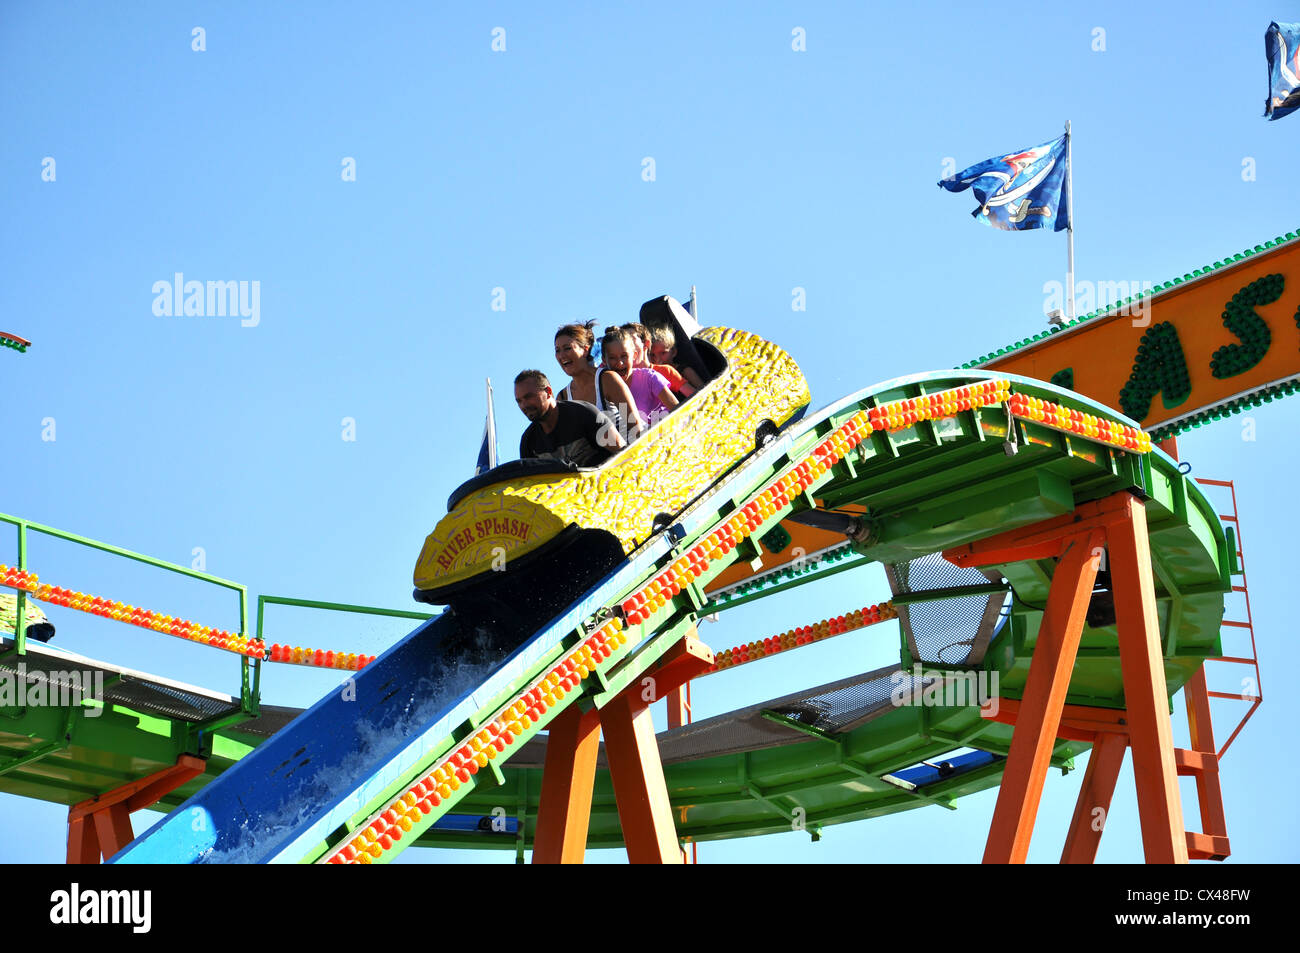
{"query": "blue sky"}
(775, 169)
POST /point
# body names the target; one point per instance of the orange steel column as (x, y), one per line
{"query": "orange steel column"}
(679, 699)
(679, 714)
(564, 808)
(642, 793)
(1098, 786)
(83, 843)
(113, 828)
(101, 825)
(1209, 795)
(1146, 696)
(1044, 698)
(679, 706)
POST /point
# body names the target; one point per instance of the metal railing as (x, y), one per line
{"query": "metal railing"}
(248, 700)
(250, 675)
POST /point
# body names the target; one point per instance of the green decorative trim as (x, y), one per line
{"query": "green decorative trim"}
(826, 563)
(1227, 409)
(775, 539)
(1199, 272)
(1063, 378)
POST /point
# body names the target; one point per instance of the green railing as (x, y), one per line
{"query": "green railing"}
(264, 601)
(250, 675)
(248, 685)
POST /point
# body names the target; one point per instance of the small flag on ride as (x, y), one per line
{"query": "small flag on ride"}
(691, 327)
(1282, 45)
(1021, 190)
(487, 454)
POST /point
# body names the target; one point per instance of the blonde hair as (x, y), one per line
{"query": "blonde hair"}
(663, 335)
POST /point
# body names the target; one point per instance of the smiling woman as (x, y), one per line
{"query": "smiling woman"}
(606, 392)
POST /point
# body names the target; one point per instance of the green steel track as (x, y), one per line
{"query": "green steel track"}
(929, 487)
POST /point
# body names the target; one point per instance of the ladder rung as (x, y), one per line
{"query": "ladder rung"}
(1238, 588)
(1240, 698)
(1190, 762)
(1236, 625)
(1233, 658)
(1225, 517)
(1207, 846)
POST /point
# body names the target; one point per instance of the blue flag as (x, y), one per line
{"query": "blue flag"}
(1282, 44)
(1021, 190)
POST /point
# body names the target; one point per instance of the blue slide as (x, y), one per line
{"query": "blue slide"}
(283, 799)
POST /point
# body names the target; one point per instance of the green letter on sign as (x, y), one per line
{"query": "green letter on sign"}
(1160, 367)
(1240, 318)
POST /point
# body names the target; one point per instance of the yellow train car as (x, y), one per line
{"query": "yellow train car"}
(535, 532)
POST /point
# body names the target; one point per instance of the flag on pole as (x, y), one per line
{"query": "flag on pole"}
(1282, 45)
(691, 307)
(1019, 191)
(487, 454)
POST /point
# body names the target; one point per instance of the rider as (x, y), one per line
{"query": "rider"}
(606, 392)
(652, 393)
(566, 430)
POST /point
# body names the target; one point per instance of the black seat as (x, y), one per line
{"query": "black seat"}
(514, 470)
(666, 312)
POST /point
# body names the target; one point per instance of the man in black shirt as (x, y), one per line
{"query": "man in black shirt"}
(572, 431)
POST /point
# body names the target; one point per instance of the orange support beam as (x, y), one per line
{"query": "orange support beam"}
(1098, 786)
(634, 766)
(638, 775)
(564, 808)
(1044, 700)
(679, 706)
(83, 841)
(101, 826)
(687, 659)
(113, 828)
(1119, 522)
(1146, 694)
(679, 699)
(1043, 540)
(1078, 722)
(564, 811)
(1203, 764)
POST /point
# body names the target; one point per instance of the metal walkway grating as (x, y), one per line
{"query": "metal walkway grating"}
(953, 631)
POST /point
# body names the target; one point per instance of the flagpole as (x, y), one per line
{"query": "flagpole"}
(492, 429)
(1069, 231)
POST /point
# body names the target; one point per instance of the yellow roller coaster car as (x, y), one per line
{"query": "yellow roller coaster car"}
(558, 522)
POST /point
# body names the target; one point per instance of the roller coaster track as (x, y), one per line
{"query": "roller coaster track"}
(923, 464)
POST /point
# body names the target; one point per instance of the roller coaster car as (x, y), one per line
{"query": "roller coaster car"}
(520, 541)
(34, 622)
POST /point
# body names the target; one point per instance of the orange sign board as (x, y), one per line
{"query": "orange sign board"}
(1197, 345)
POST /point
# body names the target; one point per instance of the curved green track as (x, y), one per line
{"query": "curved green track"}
(927, 488)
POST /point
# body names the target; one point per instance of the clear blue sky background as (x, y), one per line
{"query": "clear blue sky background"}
(521, 169)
